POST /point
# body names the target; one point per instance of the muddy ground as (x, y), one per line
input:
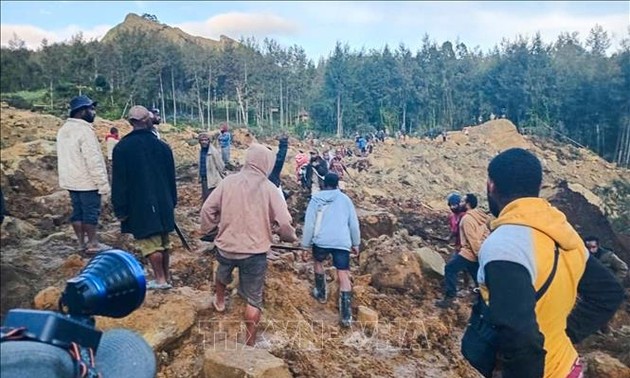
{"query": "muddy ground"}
(400, 194)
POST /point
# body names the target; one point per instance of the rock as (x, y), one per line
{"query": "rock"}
(72, 266)
(430, 260)
(48, 299)
(162, 320)
(55, 204)
(242, 362)
(367, 317)
(14, 229)
(600, 364)
(16, 285)
(376, 223)
(394, 270)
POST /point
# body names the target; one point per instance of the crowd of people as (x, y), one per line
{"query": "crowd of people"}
(528, 265)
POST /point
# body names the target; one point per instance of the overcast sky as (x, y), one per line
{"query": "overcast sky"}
(317, 26)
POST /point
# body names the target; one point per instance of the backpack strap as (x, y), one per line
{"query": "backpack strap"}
(545, 286)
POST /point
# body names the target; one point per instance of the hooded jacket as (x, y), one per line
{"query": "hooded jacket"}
(535, 338)
(246, 207)
(331, 221)
(473, 230)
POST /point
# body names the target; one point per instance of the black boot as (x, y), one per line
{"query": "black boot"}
(319, 291)
(345, 309)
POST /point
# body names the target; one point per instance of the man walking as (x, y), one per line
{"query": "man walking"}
(144, 194)
(246, 207)
(331, 227)
(225, 142)
(82, 171)
(211, 166)
(473, 230)
(533, 267)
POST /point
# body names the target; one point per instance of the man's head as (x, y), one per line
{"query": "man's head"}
(331, 181)
(512, 174)
(592, 243)
(223, 128)
(140, 117)
(454, 201)
(204, 140)
(82, 107)
(156, 116)
(470, 201)
(113, 131)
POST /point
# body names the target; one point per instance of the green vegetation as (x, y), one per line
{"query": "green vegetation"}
(566, 89)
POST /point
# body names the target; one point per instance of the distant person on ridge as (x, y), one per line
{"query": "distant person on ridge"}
(82, 171)
(225, 142)
(144, 193)
(211, 166)
(331, 227)
(541, 292)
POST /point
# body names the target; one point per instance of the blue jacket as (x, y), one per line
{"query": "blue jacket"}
(331, 221)
(225, 139)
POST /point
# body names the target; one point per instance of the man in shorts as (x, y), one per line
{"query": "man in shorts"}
(331, 227)
(245, 207)
(82, 171)
(144, 194)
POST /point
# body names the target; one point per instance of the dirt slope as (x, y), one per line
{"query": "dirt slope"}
(400, 193)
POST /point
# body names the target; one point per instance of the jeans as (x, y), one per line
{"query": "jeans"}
(453, 267)
(225, 154)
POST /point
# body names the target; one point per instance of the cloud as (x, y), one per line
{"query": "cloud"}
(33, 35)
(502, 24)
(236, 24)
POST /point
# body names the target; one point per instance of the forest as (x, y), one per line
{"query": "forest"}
(577, 92)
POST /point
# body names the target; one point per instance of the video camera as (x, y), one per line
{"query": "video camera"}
(112, 284)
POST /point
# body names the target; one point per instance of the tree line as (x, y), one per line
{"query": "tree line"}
(566, 89)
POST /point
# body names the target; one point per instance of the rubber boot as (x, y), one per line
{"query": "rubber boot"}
(345, 309)
(319, 291)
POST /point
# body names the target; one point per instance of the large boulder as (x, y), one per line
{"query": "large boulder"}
(394, 269)
(238, 361)
(601, 365)
(163, 319)
(430, 260)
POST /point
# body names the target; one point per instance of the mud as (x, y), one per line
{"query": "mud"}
(399, 192)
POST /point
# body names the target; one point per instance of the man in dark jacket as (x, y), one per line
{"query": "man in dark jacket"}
(144, 194)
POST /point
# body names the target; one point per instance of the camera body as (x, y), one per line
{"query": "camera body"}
(54, 328)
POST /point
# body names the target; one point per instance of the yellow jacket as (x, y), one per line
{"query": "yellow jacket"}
(525, 233)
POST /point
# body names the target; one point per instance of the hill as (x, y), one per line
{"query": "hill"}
(174, 35)
(399, 192)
